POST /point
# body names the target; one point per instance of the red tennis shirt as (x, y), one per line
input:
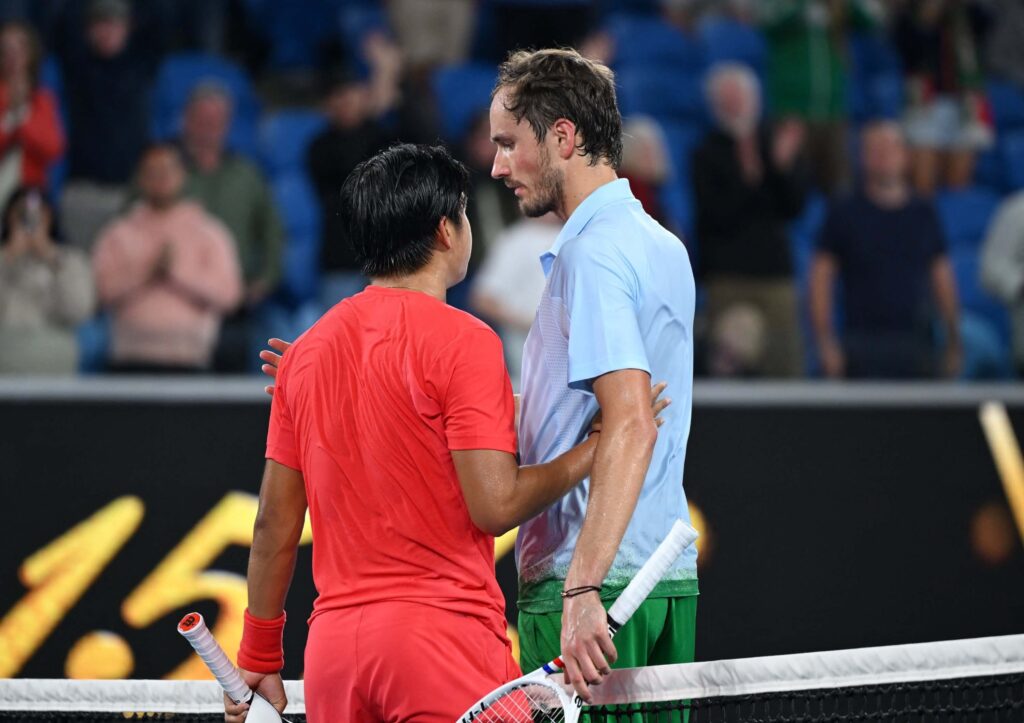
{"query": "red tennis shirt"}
(369, 404)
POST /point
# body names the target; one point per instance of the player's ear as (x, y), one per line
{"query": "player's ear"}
(445, 235)
(564, 132)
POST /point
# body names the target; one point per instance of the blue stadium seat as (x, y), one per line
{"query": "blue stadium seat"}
(676, 194)
(1007, 104)
(875, 86)
(986, 352)
(294, 30)
(803, 234)
(988, 168)
(50, 77)
(300, 209)
(93, 337)
(730, 40)
(666, 94)
(284, 138)
(462, 92)
(1011, 151)
(181, 73)
(648, 40)
(965, 215)
(973, 298)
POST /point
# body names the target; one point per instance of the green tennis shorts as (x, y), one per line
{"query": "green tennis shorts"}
(662, 631)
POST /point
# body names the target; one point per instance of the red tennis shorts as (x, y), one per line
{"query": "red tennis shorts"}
(400, 661)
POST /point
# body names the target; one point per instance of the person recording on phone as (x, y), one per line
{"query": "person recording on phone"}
(46, 290)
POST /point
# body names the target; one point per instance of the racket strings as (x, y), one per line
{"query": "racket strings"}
(529, 704)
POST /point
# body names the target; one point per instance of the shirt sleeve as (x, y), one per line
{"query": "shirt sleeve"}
(478, 409)
(282, 445)
(602, 298)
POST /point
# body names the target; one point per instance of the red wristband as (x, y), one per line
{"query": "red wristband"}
(262, 647)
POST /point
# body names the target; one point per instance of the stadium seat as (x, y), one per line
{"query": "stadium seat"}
(642, 40)
(1011, 151)
(295, 31)
(676, 194)
(462, 92)
(50, 77)
(181, 73)
(986, 352)
(973, 298)
(965, 215)
(668, 95)
(875, 87)
(284, 137)
(729, 40)
(1007, 104)
(300, 209)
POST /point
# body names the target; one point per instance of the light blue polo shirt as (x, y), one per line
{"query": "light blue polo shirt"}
(620, 295)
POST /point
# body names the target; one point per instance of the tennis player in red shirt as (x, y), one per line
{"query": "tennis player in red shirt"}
(393, 421)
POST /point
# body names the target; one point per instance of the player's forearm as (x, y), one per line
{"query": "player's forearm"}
(620, 466)
(271, 566)
(537, 486)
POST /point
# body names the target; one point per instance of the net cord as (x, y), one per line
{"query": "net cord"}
(978, 657)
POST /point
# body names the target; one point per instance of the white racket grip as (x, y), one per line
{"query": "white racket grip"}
(679, 538)
(193, 627)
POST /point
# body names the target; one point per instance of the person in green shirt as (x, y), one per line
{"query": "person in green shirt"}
(233, 189)
(807, 74)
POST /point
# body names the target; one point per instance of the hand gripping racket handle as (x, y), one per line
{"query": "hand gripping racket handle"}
(193, 627)
(679, 538)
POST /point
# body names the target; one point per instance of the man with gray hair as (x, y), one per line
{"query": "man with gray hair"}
(749, 183)
(234, 190)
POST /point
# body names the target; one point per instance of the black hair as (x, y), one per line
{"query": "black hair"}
(392, 204)
(13, 201)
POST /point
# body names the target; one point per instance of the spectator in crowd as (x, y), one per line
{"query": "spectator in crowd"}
(108, 72)
(1004, 49)
(748, 183)
(887, 247)
(432, 32)
(233, 189)
(168, 273)
(46, 290)
(645, 162)
(354, 107)
(1002, 267)
(510, 282)
(807, 74)
(947, 120)
(491, 208)
(31, 137)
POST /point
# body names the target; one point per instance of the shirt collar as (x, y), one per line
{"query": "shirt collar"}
(609, 193)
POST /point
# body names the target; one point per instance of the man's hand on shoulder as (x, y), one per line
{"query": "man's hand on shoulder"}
(272, 361)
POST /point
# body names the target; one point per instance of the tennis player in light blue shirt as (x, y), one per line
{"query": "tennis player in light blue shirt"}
(616, 314)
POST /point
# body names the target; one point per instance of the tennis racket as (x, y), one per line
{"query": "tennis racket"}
(193, 627)
(534, 698)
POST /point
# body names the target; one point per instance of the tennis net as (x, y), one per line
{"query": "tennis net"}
(965, 680)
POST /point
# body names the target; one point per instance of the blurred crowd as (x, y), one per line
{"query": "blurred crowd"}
(847, 175)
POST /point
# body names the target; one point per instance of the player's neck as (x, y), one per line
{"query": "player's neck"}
(582, 181)
(426, 282)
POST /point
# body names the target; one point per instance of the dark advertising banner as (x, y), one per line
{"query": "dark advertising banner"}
(824, 526)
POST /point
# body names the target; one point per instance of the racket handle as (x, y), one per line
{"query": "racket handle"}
(193, 627)
(679, 538)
